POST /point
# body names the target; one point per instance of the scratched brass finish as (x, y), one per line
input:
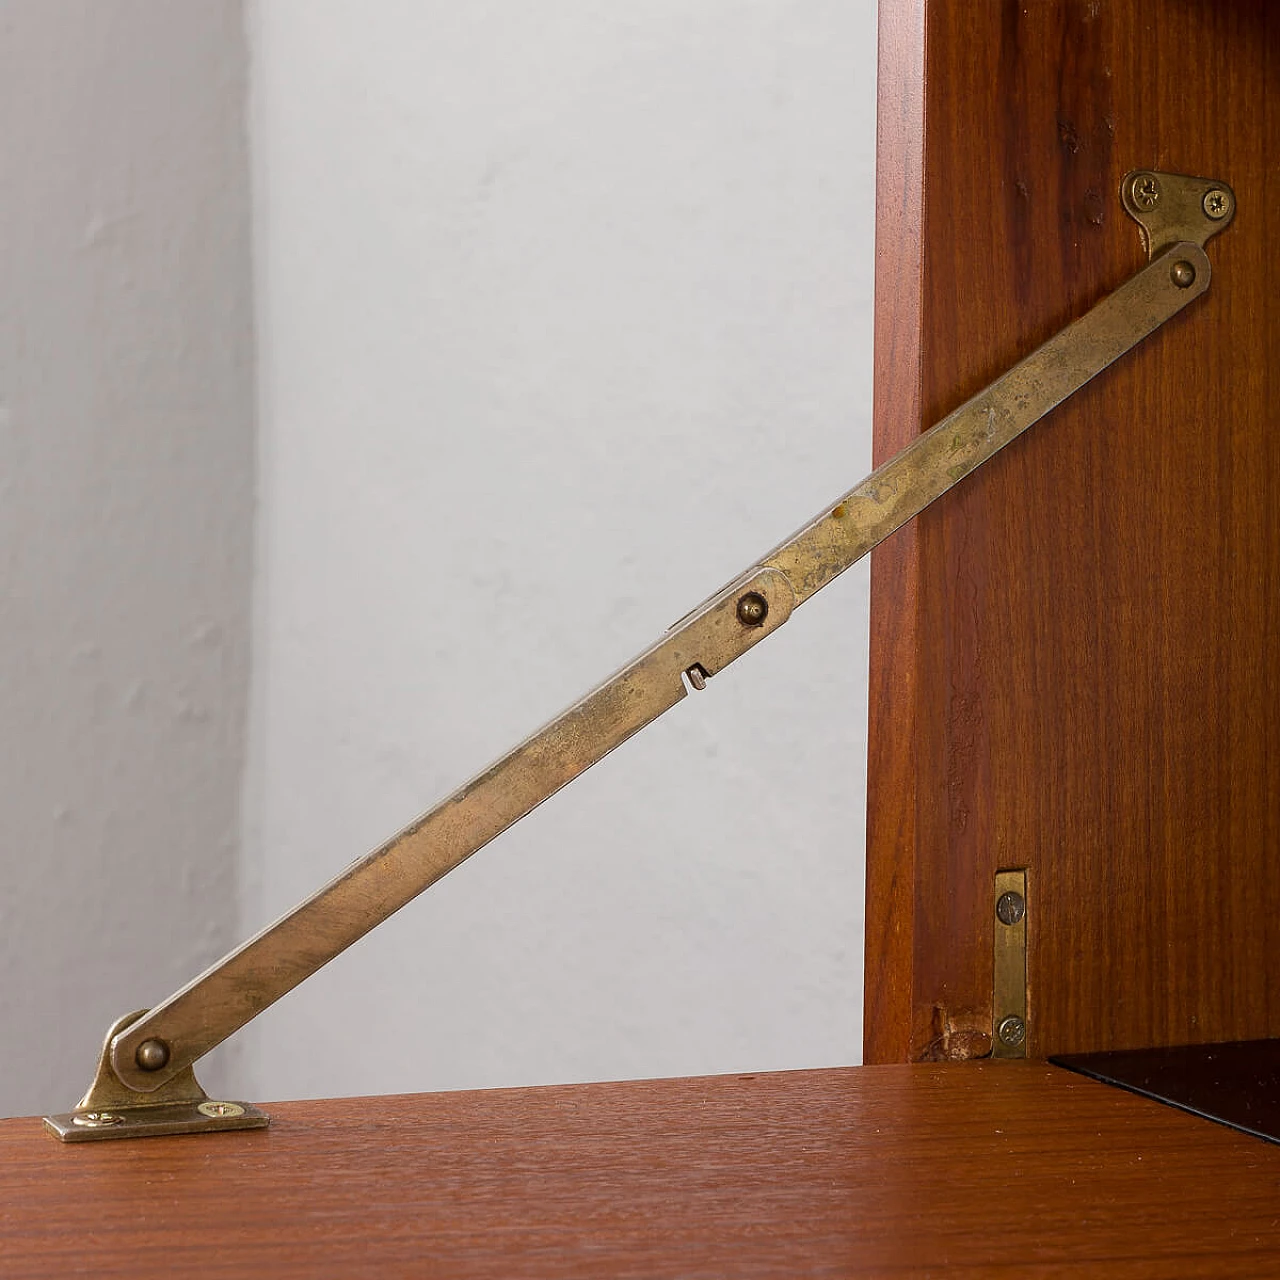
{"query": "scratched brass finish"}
(966, 438)
(159, 1047)
(1010, 1026)
(265, 968)
(112, 1110)
(1171, 207)
(260, 972)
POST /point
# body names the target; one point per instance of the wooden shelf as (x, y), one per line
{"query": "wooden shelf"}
(973, 1167)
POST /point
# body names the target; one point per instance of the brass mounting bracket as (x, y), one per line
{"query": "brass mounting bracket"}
(1010, 1027)
(1172, 208)
(112, 1110)
(145, 1085)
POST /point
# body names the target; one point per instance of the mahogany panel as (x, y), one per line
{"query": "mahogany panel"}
(977, 1169)
(1092, 689)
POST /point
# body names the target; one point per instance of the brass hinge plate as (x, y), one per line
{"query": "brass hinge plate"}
(155, 1122)
(1010, 1030)
(111, 1110)
(1173, 208)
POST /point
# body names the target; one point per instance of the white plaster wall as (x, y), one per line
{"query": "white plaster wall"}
(126, 456)
(565, 317)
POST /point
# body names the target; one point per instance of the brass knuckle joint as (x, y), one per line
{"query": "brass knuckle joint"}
(110, 1109)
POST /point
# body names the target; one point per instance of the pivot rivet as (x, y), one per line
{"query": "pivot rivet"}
(753, 608)
(152, 1055)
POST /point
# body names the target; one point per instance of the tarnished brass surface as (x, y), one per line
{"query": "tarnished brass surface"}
(111, 1109)
(1171, 207)
(1010, 1025)
(967, 437)
(260, 972)
(265, 968)
(147, 1055)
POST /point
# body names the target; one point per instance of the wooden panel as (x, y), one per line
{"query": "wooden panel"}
(974, 1168)
(891, 735)
(1075, 658)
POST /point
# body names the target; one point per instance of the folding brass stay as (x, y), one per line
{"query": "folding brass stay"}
(145, 1084)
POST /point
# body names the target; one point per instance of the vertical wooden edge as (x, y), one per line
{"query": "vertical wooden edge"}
(891, 802)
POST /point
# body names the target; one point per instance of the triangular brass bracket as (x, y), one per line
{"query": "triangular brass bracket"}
(1172, 208)
(110, 1109)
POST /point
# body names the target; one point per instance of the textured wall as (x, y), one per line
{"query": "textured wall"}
(564, 314)
(126, 456)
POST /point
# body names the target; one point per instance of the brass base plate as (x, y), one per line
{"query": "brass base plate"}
(155, 1122)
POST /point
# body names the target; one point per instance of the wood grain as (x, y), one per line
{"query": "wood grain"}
(1086, 681)
(976, 1168)
(892, 732)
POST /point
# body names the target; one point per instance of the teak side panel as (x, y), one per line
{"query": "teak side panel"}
(973, 1169)
(891, 729)
(1074, 658)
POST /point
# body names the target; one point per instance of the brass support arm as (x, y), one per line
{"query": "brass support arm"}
(144, 1082)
